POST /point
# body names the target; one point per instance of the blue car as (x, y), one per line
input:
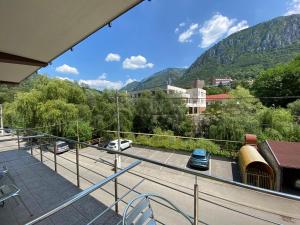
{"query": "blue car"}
(199, 159)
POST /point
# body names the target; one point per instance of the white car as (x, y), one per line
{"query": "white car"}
(113, 145)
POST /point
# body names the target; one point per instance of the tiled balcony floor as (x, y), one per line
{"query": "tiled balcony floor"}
(42, 189)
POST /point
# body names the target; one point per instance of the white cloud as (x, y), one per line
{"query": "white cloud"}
(113, 57)
(136, 62)
(218, 27)
(67, 69)
(102, 76)
(240, 26)
(186, 35)
(64, 78)
(179, 26)
(128, 81)
(293, 8)
(214, 28)
(102, 84)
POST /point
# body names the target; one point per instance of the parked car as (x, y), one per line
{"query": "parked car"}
(199, 159)
(297, 183)
(7, 130)
(113, 145)
(61, 147)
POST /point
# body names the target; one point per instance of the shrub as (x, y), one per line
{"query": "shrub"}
(175, 143)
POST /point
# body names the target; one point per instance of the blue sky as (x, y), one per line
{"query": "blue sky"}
(160, 34)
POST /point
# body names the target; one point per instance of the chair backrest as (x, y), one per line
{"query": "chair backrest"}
(142, 212)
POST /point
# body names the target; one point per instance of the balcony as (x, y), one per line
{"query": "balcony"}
(77, 187)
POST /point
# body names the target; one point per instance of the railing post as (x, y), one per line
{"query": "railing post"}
(41, 152)
(116, 187)
(77, 166)
(31, 146)
(18, 139)
(196, 202)
(54, 153)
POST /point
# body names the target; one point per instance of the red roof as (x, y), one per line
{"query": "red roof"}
(287, 154)
(217, 97)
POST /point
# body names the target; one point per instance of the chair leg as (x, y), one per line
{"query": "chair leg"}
(23, 203)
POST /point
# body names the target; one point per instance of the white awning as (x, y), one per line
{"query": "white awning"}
(34, 32)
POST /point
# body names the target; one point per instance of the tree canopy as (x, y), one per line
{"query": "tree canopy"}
(280, 81)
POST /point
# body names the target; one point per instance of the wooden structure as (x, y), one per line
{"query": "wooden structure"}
(254, 169)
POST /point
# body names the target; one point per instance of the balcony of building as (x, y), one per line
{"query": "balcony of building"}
(77, 187)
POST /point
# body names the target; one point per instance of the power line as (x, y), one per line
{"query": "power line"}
(174, 136)
(228, 98)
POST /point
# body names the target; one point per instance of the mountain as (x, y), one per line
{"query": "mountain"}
(167, 76)
(245, 53)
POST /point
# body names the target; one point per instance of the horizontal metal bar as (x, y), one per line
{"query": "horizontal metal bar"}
(33, 136)
(84, 193)
(10, 139)
(175, 189)
(120, 199)
(234, 183)
(174, 136)
(238, 184)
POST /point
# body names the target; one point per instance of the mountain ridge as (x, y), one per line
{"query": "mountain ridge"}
(242, 55)
(163, 77)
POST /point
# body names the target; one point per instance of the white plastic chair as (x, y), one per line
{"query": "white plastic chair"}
(8, 191)
(142, 213)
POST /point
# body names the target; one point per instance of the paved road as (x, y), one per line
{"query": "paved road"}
(219, 203)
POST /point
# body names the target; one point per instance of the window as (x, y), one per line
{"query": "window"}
(191, 110)
(195, 110)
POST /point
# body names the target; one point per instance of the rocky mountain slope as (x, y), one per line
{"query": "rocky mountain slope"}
(245, 53)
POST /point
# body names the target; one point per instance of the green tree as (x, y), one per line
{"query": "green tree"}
(295, 109)
(161, 110)
(280, 81)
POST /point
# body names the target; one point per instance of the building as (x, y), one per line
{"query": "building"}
(222, 81)
(221, 98)
(254, 169)
(284, 158)
(195, 97)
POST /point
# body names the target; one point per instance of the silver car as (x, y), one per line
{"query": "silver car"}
(61, 147)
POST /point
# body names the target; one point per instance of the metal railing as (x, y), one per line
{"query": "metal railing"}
(44, 136)
(83, 193)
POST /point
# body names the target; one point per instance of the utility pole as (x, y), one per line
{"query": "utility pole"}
(118, 132)
(1, 120)
(117, 156)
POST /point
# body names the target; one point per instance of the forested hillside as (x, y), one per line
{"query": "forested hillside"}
(245, 53)
(164, 77)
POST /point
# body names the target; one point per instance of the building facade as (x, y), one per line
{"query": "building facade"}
(222, 81)
(195, 98)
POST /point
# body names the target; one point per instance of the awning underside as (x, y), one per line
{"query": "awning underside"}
(39, 31)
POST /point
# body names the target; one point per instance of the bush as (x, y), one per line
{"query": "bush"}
(174, 143)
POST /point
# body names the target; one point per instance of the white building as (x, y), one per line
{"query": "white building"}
(195, 98)
(222, 81)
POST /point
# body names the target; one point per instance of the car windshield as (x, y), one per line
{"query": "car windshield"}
(199, 156)
(62, 145)
(112, 143)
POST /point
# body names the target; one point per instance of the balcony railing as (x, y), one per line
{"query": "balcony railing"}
(36, 140)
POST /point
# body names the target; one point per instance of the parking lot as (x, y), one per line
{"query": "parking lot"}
(232, 204)
(220, 167)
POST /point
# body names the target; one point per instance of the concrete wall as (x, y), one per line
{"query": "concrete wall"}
(268, 156)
